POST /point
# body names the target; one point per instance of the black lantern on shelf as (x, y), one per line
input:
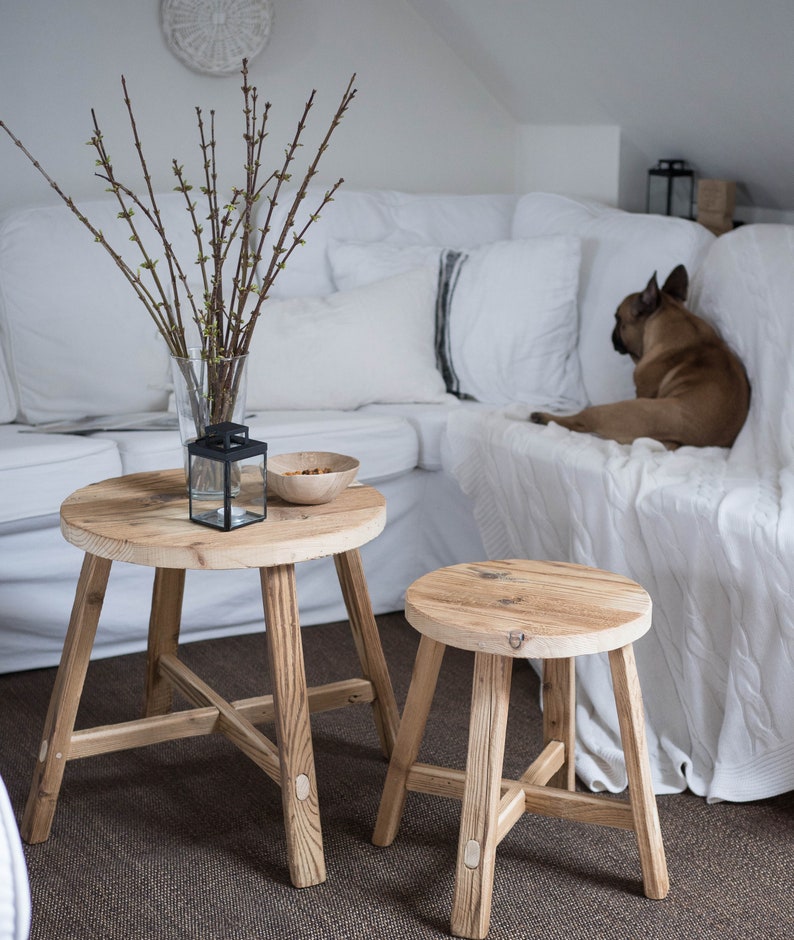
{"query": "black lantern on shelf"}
(671, 189)
(230, 459)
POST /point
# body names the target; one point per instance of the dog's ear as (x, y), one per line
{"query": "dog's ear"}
(648, 300)
(677, 283)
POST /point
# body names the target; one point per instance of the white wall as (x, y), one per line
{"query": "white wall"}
(422, 120)
(710, 81)
(579, 160)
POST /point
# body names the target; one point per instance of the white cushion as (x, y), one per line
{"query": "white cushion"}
(383, 215)
(428, 421)
(745, 288)
(508, 318)
(80, 341)
(356, 263)
(386, 444)
(374, 343)
(38, 471)
(620, 251)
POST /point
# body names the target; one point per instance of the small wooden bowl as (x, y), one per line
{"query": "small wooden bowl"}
(287, 479)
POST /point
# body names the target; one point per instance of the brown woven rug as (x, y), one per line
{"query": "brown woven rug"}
(185, 840)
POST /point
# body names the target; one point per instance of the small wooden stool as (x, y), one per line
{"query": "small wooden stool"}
(505, 610)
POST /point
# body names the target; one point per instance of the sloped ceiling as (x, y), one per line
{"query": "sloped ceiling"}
(711, 81)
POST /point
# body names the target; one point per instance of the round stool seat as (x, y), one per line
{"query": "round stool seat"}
(528, 609)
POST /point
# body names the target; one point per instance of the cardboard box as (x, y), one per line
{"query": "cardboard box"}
(716, 196)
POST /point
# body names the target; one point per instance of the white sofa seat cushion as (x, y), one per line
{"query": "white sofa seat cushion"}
(620, 251)
(386, 445)
(429, 422)
(38, 471)
(506, 320)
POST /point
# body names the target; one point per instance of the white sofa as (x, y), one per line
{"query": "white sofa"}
(395, 299)
(76, 341)
(708, 531)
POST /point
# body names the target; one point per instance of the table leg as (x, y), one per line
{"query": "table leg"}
(293, 731)
(631, 719)
(559, 703)
(409, 739)
(479, 819)
(164, 623)
(370, 652)
(59, 724)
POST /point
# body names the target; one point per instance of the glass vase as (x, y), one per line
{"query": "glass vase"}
(208, 392)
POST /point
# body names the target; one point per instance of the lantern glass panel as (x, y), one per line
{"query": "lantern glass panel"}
(681, 197)
(658, 191)
(671, 189)
(238, 462)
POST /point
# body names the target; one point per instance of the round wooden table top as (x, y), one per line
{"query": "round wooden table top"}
(528, 609)
(143, 519)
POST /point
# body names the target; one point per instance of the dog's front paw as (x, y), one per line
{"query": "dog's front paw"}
(538, 417)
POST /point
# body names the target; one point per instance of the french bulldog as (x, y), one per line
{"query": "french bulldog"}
(691, 388)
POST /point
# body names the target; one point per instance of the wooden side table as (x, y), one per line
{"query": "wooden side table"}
(143, 519)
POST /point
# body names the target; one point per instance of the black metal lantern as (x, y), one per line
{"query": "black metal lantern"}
(671, 188)
(238, 494)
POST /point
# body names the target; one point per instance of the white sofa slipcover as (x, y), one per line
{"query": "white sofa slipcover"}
(707, 531)
(76, 341)
(527, 490)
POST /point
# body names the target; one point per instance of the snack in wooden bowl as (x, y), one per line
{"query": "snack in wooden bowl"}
(310, 477)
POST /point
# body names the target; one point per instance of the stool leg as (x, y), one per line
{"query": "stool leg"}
(409, 739)
(293, 731)
(370, 652)
(164, 622)
(559, 704)
(59, 724)
(471, 902)
(631, 719)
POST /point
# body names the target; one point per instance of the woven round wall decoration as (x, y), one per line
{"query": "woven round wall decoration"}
(214, 36)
